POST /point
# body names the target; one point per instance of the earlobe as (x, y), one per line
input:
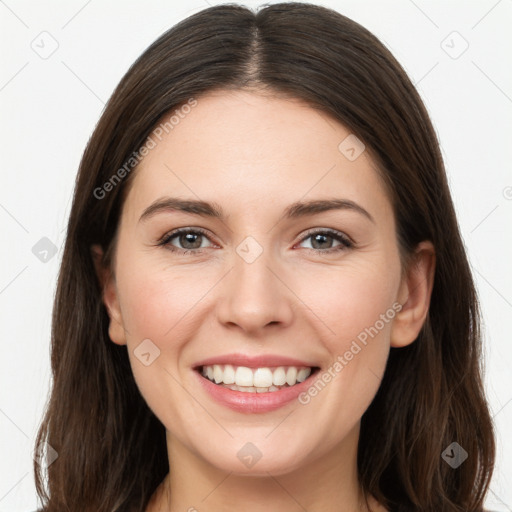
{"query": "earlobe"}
(414, 295)
(109, 296)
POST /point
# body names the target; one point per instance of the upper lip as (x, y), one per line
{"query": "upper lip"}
(260, 361)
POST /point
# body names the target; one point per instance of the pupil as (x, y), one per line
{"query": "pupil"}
(321, 238)
(192, 238)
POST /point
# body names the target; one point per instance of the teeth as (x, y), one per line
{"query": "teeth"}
(243, 376)
(217, 374)
(303, 374)
(251, 389)
(255, 380)
(279, 376)
(229, 374)
(262, 378)
(291, 376)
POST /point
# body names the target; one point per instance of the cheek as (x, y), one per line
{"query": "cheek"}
(156, 303)
(355, 308)
(360, 314)
(349, 299)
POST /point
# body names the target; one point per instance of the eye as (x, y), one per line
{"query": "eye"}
(194, 240)
(190, 240)
(325, 240)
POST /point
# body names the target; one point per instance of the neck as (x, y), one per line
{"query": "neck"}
(328, 483)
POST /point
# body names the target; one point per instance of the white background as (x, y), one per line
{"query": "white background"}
(50, 106)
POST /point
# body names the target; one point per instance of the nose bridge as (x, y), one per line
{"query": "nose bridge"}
(252, 296)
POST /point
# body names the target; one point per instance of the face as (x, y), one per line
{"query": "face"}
(259, 281)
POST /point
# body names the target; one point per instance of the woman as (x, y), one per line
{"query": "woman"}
(207, 352)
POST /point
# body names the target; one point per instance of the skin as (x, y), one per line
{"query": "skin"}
(254, 155)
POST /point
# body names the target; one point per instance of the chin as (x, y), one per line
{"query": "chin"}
(254, 458)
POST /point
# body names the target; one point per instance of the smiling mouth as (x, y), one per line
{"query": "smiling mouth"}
(256, 380)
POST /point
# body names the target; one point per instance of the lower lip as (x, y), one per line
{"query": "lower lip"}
(251, 403)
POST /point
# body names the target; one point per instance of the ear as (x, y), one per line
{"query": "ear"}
(414, 295)
(109, 296)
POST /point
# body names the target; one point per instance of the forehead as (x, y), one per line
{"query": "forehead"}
(246, 149)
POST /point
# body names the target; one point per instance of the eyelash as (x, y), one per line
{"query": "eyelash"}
(345, 241)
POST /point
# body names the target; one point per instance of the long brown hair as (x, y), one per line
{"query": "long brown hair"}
(112, 450)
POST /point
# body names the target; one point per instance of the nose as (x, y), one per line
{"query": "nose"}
(254, 296)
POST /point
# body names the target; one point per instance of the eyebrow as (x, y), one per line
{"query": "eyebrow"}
(293, 211)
